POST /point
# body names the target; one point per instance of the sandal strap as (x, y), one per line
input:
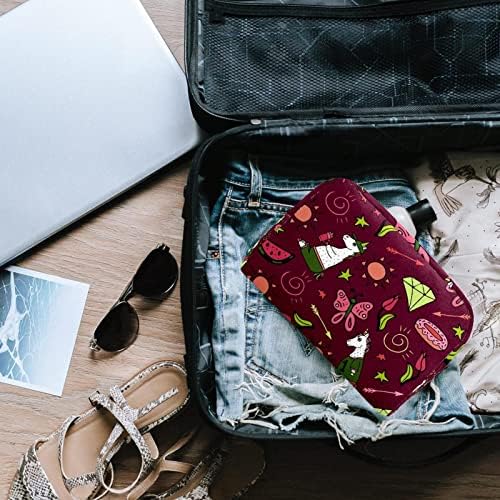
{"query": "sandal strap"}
(34, 478)
(157, 402)
(84, 480)
(214, 460)
(113, 443)
(89, 479)
(164, 465)
(118, 397)
(126, 416)
(174, 466)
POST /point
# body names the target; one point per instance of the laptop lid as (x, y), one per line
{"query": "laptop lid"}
(91, 102)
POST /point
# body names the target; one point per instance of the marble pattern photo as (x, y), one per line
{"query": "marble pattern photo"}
(39, 320)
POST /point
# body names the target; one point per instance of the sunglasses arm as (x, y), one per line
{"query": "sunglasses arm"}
(127, 293)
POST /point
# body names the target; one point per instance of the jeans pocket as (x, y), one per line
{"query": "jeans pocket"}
(305, 344)
(390, 191)
(280, 349)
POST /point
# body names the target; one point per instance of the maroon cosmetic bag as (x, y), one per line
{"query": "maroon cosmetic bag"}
(360, 287)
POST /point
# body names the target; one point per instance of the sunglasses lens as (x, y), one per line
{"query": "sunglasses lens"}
(118, 329)
(157, 275)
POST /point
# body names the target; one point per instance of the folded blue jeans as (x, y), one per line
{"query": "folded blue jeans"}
(267, 373)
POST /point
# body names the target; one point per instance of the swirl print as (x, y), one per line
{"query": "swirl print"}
(339, 205)
(293, 285)
(398, 343)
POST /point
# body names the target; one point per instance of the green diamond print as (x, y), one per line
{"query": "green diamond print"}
(417, 294)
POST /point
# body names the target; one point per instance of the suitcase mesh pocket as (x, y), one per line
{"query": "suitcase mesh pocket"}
(275, 64)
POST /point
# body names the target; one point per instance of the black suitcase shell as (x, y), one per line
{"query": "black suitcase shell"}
(357, 81)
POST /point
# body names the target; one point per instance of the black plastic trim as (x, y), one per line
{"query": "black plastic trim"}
(386, 9)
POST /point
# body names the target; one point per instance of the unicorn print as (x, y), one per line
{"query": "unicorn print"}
(323, 257)
(351, 366)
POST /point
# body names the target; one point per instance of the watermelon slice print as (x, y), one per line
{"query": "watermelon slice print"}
(274, 253)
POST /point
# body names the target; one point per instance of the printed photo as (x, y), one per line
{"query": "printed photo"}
(39, 320)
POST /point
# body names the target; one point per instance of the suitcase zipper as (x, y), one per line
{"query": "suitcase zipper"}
(219, 8)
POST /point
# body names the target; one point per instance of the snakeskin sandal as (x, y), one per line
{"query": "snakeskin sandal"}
(75, 461)
(227, 470)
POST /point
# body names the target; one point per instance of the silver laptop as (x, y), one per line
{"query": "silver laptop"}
(91, 102)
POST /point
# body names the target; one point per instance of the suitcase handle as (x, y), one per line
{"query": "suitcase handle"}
(362, 452)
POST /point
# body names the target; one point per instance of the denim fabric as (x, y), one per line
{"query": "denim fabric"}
(268, 373)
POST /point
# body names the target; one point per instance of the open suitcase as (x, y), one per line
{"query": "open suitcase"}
(315, 80)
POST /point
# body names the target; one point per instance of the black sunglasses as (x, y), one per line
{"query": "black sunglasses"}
(154, 279)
